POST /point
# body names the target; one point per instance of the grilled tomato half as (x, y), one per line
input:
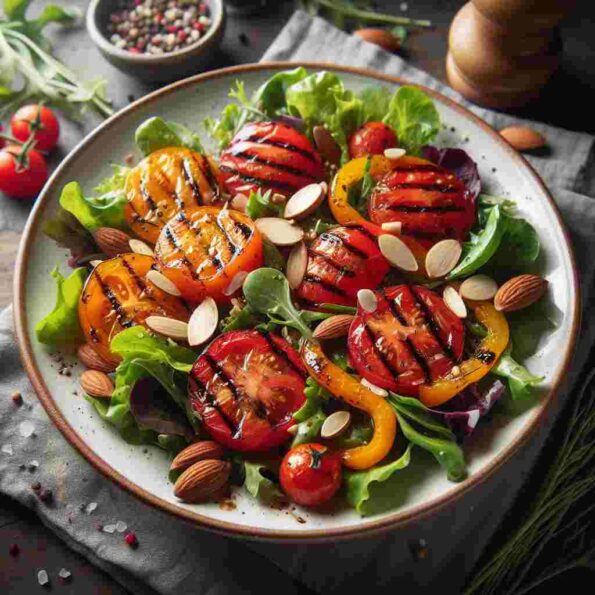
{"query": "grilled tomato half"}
(117, 295)
(246, 386)
(429, 201)
(270, 156)
(201, 250)
(342, 261)
(372, 138)
(165, 182)
(411, 339)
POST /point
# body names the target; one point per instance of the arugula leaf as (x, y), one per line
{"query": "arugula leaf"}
(272, 256)
(412, 114)
(520, 381)
(156, 133)
(258, 484)
(61, 326)
(359, 485)
(429, 435)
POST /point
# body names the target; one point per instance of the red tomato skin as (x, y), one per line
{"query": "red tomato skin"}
(47, 136)
(372, 138)
(340, 263)
(306, 484)
(270, 156)
(388, 360)
(252, 435)
(25, 183)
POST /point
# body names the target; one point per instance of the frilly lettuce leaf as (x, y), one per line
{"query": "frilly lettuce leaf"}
(376, 100)
(61, 326)
(270, 97)
(156, 133)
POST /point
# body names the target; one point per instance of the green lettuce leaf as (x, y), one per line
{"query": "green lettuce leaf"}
(260, 205)
(270, 96)
(61, 326)
(520, 381)
(361, 486)
(223, 129)
(413, 115)
(258, 484)
(156, 133)
(376, 102)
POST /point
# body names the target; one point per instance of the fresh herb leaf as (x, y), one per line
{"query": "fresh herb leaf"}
(156, 133)
(223, 129)
(258, 482)
(261, 205)
(61, 326)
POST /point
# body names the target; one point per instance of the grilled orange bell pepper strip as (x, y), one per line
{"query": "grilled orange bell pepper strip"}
(348, 389)
(477, 366)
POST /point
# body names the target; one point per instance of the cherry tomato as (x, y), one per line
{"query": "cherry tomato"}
(310, 474)
(117, 295)
(2, 141)
(22, 181)
(372, 138)
(429, 201)
(246, 386)
(39, 120)
(270, 156)
(340, 263)
(201, 250)
(411, 339)
(164, 183)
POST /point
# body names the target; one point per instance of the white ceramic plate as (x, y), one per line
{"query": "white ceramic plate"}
(145, 473)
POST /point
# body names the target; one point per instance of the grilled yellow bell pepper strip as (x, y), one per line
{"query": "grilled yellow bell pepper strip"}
(477, 366)
(346, 388)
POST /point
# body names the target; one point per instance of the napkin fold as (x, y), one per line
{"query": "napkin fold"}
(174, 558)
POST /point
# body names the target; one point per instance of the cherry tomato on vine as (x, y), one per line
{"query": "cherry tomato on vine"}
(39, 120)
(310, 474)
(2, 141)
(372, 138)
(22, 180)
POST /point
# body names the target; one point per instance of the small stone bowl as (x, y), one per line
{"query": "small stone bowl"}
(156, 68)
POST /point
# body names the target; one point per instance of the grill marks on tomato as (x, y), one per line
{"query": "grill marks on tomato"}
(411, 339)
(270, 156)
(340, 263)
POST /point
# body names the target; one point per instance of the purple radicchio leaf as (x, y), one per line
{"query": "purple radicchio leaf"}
(292, 121)
(459, 162)
(152, 409)
(463, 412)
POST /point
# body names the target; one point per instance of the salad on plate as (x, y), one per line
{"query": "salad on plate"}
(304, 310)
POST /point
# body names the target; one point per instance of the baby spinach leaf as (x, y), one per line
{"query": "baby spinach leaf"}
(156, 133)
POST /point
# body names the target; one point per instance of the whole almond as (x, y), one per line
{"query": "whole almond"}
(327, 146)
(202, 480)
(199, 451)
(523, 138)
(112, 241)
(334, 327)
(97, 384)
(90, 358)
(519, 292)
(380, 37)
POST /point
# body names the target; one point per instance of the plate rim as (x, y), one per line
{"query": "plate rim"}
(367, 528)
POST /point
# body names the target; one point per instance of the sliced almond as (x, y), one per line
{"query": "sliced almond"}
(397, 253)
(239, 202)
(140, 247)
(335, 424)
(367, 300)
(160, 280)
(97, 384)
(327, 146)
(304, 202)
(279, 231)
(297, 263)
(95, 263)
(168, 327)
(392, 227)
(519, 292)
(203, 322)
(442, 257)
(394, 153)
(478, 287)
(375, 389)
(236, 283)
(523, 138)
(454, 302)
(198, 451)
(334, 327)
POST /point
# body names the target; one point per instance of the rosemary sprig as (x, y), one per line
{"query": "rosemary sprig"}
(555, 515)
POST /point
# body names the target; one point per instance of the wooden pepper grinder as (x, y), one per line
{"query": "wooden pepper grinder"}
(502, 52)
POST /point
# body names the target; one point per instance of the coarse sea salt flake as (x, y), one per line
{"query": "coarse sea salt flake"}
(26, 428)
(64, 574)
(43, 578)
(109, 528)
(90, 507)
(473, 418)
(121, 526)
(7, 449)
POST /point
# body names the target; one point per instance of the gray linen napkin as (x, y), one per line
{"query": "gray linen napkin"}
(174, 558)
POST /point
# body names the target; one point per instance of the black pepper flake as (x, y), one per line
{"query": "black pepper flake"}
(130, 98)
(14, 550)
(243, 39)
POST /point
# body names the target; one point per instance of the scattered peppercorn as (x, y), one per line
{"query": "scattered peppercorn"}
(17, 398)
(244, 39)
(36, 486)
(46, 495)
(158, 26)
(14, 550)
(131, 540)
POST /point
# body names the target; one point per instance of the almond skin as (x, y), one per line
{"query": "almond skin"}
(90, 358)
(334, 327)
(97, 384)
(519, 292)
(112, 241)
(523, 138)
(199, 451)
(381, 37)
(202, 480)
